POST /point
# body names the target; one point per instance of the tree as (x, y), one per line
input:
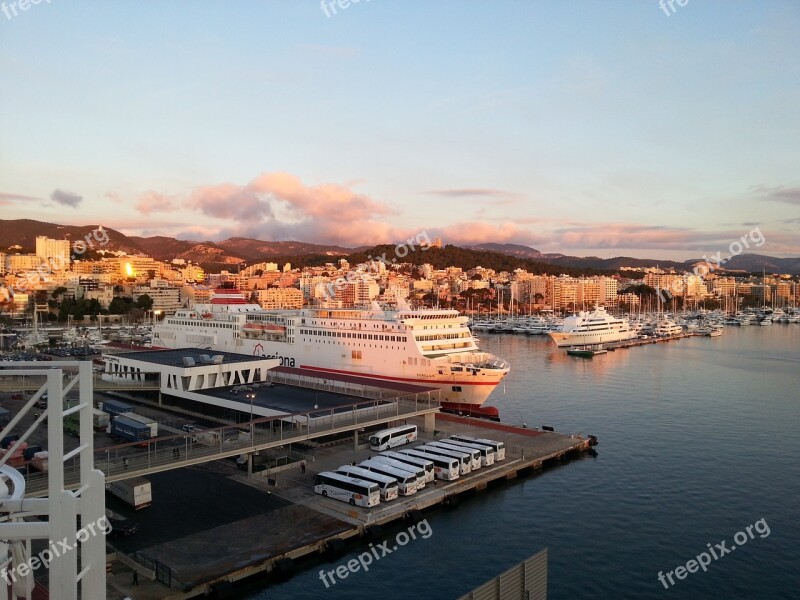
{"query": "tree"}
(120, 305)
(144, 302)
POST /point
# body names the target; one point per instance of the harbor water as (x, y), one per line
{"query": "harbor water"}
(698, 441)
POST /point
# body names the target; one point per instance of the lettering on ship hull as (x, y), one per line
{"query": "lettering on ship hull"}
(285, 361)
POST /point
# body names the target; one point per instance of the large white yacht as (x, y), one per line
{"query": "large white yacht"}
(594, 327)
(431, 348)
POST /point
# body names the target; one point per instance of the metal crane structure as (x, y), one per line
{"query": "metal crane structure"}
(72, 524)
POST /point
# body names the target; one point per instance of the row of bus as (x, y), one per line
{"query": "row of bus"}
(393, 473)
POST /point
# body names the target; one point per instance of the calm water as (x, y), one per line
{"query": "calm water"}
(698, 439)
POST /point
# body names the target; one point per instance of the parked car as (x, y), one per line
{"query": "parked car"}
(122, 527)
(189, 428)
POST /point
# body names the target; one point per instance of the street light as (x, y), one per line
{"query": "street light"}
(252, 397)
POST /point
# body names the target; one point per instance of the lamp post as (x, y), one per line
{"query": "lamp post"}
(252, 397)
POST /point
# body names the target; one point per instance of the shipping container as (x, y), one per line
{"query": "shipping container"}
(129, 430)
(135, 491)
(153, 425)
(116, 408)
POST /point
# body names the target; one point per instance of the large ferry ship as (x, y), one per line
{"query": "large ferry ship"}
(594, 327)
(426, 347)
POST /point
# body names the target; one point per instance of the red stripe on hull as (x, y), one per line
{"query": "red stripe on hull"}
(379, 377)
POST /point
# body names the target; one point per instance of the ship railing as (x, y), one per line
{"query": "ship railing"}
(483, 360)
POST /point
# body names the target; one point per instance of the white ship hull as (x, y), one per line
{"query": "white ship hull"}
(580, 338)
(424, 348)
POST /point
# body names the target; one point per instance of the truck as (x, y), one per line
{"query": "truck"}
(17, 459)
(116, 408)
(40, 461)
(100, 421)
(208, 438)
(129, 430)
(153, 425)
(136, 491)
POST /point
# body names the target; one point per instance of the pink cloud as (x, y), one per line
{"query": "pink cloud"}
(152, 202)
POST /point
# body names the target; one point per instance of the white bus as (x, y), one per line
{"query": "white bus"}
(444, 467)
(464, 460)
(487, 454)
(389, 438)
(498, 447)
(425, 465)
(474, 454)
(392, 462)
(406, 480)
(388, 485)
(347, 489)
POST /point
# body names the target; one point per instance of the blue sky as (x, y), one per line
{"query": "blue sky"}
(590, 128)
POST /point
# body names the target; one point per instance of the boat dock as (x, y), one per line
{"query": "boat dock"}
(279, 524)
(588, 352)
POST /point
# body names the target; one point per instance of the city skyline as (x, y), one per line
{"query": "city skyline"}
(579, 129)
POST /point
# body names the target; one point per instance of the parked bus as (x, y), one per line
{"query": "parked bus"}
(498, 447)
(347, 489)
(388, 485)
(406, 480)
(390, 438)
(464, 459)
(418, 471)
(444, 467)
(426, 465)
(487, 454)
(474, 454)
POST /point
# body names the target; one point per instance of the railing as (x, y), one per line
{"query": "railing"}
(164, 453)
(163, 573)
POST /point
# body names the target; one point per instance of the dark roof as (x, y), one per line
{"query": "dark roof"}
(397, 386)
(175, 356)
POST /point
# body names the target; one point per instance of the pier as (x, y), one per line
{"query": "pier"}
(295, 527)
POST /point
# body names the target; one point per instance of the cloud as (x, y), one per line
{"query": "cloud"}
(66, 198)
(152, 202)
(10, 196)
(788, 195)
(280, 206)
(473, 192)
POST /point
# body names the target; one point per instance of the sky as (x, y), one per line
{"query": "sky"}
(585, 128)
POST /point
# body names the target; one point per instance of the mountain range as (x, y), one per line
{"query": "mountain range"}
(23, 232)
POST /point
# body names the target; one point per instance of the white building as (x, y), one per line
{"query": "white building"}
(55, 253)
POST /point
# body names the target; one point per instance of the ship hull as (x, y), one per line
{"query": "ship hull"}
(581, 338)
(456, 385)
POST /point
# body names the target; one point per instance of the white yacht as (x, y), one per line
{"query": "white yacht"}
(595, 327)
(667, 328)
